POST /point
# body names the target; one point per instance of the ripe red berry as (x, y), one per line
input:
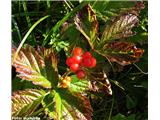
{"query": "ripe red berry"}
(87, 55)
(77, 51)
(69, 61)
(89, 61)
(74, 67)
(86, 62)
(77, 59)
(93, 62)
(80, 74)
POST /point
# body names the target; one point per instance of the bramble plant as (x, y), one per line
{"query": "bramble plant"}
(64, 69)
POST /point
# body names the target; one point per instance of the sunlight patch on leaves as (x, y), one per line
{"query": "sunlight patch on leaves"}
(99, 82)
(77, 85)
(25, 102)
(38, 66)
(70, 106)
(123, 53)
(120, 27)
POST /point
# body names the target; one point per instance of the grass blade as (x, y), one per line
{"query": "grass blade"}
(17, 29)
(27, 34)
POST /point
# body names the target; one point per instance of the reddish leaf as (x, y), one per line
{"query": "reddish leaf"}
(123, 53)
(87, 24)
(119, 28)
(25, 102)
(38, 66)
(99, 82)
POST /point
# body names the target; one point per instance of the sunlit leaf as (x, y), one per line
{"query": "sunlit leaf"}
(70, 106)
(25, 102)
(87, 24)
(100, 5)
(38, 66)
(100, 82)
(78, 85)
(123, 53)
(120, 28)
(48, 105)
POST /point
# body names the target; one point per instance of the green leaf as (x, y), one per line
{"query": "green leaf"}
(78, 85)
(87, 24)
(130, 103)
(100, 5)
(48, 103)
(38, 66)
(19, 84)
(58, 106)
(122, 117)
(25, 102)
(69, 106)
(131, 117)
(123, 53)
(119, 117)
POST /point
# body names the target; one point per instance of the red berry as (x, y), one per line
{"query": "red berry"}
(93, 62)
(74, 67)
(89, 62)
(80, 74)
(87, 55)
(77, 51)
(86, 62)
(69, 61)
(77, 59)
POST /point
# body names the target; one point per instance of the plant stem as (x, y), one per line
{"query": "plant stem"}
(110, 113)
(140, 69)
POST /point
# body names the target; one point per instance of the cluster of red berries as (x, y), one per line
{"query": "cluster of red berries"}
(79, 60)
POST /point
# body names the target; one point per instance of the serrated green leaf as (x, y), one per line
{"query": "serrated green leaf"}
(25, 102)
(100, 5)
(51, 69)
(58, 106)
(71, 106)
(48, 105)
(78, 85)
(38, 66)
